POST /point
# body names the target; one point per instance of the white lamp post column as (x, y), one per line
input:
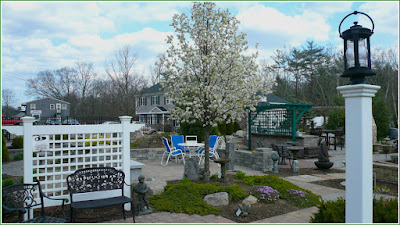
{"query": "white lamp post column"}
(358, 107)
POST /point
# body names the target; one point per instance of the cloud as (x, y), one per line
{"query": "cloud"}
(140, 12)
(29, 55)
(384, 14)
(296, 29)
(327, 8)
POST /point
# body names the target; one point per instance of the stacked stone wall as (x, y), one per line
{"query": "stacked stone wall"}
(147, 154)
(260, 159)
(386, 172)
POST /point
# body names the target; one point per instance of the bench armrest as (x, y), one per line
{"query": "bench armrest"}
(128, 184)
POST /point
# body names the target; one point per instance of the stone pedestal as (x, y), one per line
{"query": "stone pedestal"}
(358, 108)
(136, 170)
(230, 148)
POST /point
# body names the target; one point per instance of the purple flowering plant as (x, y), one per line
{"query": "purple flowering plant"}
(299, 197)
(268, 194)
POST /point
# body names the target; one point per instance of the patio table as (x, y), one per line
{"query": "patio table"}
(192, 146)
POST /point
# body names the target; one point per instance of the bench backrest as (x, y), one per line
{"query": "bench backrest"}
(95, 179)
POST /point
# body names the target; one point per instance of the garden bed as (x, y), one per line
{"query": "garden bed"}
(259, 210)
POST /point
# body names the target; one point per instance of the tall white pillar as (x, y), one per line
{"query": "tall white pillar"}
(27, 121)
(126, 155)
(358, 106)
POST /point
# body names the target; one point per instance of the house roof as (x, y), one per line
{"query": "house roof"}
(43, 99)
(273, 99)
(154, 89)
(154, 109)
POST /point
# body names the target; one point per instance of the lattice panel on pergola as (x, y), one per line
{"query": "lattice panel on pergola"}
(70, 152)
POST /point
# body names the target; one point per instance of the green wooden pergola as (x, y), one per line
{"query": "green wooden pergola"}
(276, 119)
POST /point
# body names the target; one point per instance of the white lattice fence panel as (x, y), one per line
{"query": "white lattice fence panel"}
(69, 148)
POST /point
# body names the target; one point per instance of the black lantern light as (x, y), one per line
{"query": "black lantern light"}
(357, 52)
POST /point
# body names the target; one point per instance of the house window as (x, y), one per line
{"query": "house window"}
(143, 101)
(52, 107)
(33, 106)
(154, 100)
(64, 106)
(167, 101)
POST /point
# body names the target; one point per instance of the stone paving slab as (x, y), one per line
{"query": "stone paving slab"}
(167, 217)
(314, 188)
(300, 216)
(306, 178)
(338, 175)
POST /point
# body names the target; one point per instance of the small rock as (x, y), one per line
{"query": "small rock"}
(250, 200)
(217, 199)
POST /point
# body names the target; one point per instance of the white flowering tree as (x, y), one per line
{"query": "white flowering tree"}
(210, 79)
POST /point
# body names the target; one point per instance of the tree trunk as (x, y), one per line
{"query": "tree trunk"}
(206, 154)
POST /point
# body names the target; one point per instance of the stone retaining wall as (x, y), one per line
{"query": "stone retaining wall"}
(386, 172)
(147, 154)
(306, 141)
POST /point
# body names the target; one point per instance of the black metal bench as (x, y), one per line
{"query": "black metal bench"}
(97, 180)
(22, 198)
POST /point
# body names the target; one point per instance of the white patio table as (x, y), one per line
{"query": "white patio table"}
(192, 146)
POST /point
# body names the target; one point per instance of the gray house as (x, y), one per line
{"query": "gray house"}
(153, 107)
(47, 107)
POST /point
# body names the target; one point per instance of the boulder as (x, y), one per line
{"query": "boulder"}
(136, 135)
(156, 187)
(217, 199)
(250, 200)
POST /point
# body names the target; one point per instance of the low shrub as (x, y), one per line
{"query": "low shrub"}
(240, 175)
(184, 180)
(283, 188)
(214, 176)
(4, 150)
(17, 143)
(19, 156)
(8, 182)
(384, 211)
(330, 212)
(188, 197)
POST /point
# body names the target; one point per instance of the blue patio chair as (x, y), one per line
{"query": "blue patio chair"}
(172, 152)
(213, 143)
(176, 140)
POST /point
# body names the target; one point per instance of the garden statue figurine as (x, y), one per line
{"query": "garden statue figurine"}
(143, 204)
(243, 210)
(295, 165)
(275, 158)
(323, 157)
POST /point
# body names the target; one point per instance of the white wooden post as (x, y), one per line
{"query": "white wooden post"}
(28, 152)
(358, 106)
(28, 146)
(126, 155)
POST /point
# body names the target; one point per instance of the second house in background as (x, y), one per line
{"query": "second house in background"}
(46, 108)
(153, 107)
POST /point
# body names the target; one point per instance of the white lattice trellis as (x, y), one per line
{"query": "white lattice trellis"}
(53, 152)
